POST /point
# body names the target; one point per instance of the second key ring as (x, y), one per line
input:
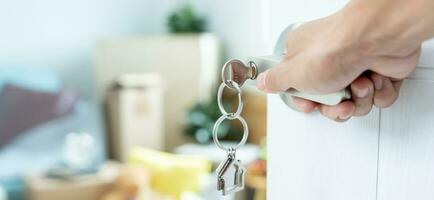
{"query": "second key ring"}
(220, 97)
(215, 132)
(225, 79)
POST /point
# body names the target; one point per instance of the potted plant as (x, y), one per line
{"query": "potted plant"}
(185, 20)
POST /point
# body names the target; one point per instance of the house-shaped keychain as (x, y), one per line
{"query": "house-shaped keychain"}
(230, 165)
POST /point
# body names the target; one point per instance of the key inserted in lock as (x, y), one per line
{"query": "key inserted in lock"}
(240, 72)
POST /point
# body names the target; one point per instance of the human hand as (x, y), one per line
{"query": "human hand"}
(332, 53)
(366, 91)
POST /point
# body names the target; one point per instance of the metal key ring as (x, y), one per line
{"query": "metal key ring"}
(225, 80)
(215, 131)
(220, 96)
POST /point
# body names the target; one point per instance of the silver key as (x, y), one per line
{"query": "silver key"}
(240, 73)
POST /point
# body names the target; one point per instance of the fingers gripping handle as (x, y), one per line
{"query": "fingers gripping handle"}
(266, 62)
(326, 99)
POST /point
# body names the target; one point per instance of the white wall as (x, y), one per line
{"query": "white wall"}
(61, 34)
(240, 24)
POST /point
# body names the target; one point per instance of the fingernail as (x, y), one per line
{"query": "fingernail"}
(260, 81)
(378, 82)
(361, 93)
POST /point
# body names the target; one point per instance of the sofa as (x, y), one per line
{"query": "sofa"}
(41, 147)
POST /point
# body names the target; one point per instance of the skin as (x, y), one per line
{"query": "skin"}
(371, 46)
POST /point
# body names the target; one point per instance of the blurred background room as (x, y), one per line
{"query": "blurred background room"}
(116, 100)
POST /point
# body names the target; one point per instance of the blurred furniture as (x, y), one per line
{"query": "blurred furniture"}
(40, 148)
(188, 65)
(256, 179)
(134, 182)
(255, 113)
(22, 109)
(259, 184)
(86, 187)
(135, 113)
(3, 194)
(171, 174)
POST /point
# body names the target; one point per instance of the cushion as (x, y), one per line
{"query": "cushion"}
(22, 109)
(40, 149)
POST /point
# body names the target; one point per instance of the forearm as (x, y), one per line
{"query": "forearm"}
(382, 37)
(383, 26)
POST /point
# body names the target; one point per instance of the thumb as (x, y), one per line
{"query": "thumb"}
(274, 80)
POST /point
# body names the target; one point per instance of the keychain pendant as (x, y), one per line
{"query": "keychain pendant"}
(230, 164)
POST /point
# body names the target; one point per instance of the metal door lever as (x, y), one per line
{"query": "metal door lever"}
(240, 72)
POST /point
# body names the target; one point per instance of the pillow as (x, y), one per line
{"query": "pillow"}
(22, 109)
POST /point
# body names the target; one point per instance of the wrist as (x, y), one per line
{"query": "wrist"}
(384, 27)
(347, 42)
(356, 22)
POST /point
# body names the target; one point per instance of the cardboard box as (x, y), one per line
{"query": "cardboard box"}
(135, 113)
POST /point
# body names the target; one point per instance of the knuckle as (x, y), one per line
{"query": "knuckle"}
(326, 113)
(386, 101)
(386, 97)
(272, 80)
(363, 112)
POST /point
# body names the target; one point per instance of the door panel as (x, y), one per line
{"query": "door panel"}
(281, 14)
(406, 156)
(311, 158)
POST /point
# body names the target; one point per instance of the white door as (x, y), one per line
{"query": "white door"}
(388, 154)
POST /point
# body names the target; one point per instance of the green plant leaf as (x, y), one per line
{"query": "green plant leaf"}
(185, 20)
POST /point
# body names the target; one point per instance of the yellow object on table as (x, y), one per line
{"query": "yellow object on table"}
(171, 174)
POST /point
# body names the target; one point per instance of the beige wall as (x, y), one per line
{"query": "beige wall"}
(61, 35)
